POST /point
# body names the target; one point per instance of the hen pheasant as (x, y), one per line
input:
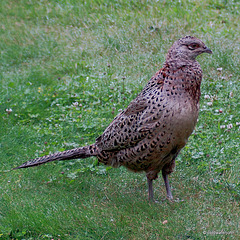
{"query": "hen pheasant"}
(151, 131)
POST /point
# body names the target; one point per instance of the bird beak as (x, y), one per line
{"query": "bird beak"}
(207, 50)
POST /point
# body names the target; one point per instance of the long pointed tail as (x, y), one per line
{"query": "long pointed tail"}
(82, 152)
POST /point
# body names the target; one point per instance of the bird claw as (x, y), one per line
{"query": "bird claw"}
(170, 198)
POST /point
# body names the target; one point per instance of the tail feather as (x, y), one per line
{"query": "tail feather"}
(82, 152)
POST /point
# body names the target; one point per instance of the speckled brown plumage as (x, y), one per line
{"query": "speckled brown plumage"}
(150, 132)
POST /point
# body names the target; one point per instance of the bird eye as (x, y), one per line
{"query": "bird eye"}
(193, 46)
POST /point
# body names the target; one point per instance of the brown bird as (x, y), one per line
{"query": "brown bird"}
(151, 131)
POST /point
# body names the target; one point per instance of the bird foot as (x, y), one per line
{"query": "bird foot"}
(177, 200)
(170, 198)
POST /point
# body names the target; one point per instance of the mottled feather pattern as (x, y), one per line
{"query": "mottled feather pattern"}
(82, 152)
(154, 134)
(151, 131)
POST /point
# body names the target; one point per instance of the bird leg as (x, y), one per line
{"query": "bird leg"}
(166, 181)
(150, 189)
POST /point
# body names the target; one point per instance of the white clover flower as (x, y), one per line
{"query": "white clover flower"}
(220, 69)
(9, 110)
(75, 104)
(222, 126)
(206, 96)
(209, 103)
(229, 126)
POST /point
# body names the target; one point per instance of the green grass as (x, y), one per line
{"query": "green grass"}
(56, 53)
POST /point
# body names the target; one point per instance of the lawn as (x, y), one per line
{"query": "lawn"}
(67, 68)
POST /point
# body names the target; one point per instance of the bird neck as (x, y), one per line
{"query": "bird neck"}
(175, 64)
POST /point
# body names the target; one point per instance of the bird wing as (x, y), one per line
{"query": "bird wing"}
(135, 122)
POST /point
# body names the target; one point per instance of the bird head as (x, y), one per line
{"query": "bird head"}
(187, 48)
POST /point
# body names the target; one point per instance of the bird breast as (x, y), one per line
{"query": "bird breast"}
(184, 118)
